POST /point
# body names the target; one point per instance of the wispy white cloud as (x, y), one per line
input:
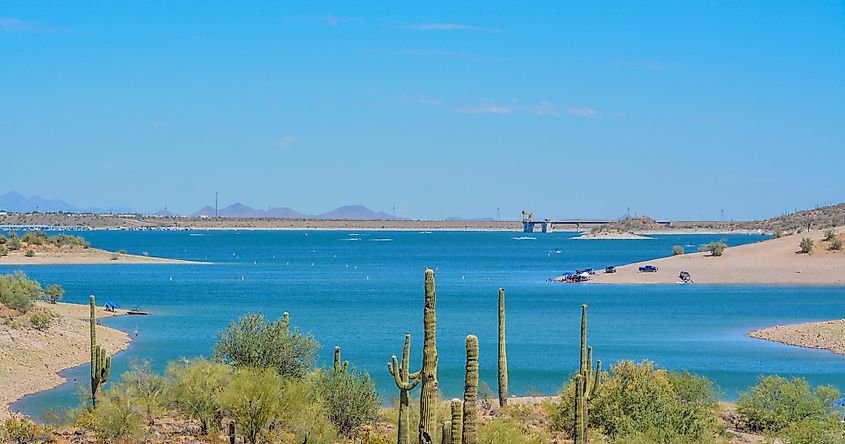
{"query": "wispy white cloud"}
(285, 141)
(582, 111)
(440, 27)
(12, 24)
(420, 99)
(488, 106)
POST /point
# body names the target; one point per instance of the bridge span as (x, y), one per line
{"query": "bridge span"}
(529, 225)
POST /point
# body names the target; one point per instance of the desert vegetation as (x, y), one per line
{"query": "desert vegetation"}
(262, 386)
(715, 249)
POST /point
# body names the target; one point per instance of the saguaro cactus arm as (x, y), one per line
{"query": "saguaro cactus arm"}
(470, 428)
(338, 365)
(428, 374)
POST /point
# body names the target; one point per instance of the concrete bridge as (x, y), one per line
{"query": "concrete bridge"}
(529, 225)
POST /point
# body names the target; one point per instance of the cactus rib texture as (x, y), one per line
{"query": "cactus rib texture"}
(503, 354)
(457, 407)
(100, 362)
(470, 427)
(405, 382)
(428, 373)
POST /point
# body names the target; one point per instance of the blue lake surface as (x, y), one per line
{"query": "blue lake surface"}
(362, 290)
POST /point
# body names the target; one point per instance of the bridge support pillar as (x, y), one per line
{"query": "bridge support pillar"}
(527, 227)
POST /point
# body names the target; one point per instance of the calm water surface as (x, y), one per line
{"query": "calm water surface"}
(363, 290)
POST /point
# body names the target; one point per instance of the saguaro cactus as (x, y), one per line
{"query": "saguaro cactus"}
(100, 363)
(428, 374)
(405, 382)
(446, 434)
(503, 353)
(338, 365)
(457, 420)
(470, 428)
(586, 384)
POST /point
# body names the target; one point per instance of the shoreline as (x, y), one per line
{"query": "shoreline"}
(820, 335)
(768, 262)
(88, 256)
(32, 360)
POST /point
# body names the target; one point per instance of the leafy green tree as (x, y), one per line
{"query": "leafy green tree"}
(640, 403)
(194, 390)
(18, 292)
(54, 292)
(715, 248)
(118, 417)
(253, 400)
(776, 403)
(254, 342)
(148, 389)
(350, 397)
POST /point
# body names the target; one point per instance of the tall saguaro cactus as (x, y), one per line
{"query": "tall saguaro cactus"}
(338, 365)
(100, 363)
(405, 382)
(446, 434)
(470, 428)
(584, 392)
(503, 353)
(428, 374)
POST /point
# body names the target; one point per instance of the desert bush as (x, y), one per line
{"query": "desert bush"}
(194, 390)
(14, 242)
(18, 292)
(640, 400)
(253, 400)
(253, 342)
(29, 253)
(776, 403)
(806, 245)
(677, 250)
(829, 234)
(118, 416)
(3, 250)
(715, 248)
(827, 431)
(501, 430)
(54, 292)
(18, 429)
(303, 416)
(41, 321)
(61, 240)
(778, 234)
(350, 397)
(835, 245)
(35, 237)
(122, 251)
(3, 239)
(147, 388)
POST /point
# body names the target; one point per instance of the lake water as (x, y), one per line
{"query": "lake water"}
(363, 290)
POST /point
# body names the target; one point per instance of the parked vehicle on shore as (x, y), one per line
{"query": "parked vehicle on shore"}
(648, 269)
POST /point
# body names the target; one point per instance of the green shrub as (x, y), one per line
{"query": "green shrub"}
(29, 253)
(18, 292)
(3, 239)
(118, 416)
(147, 388)
(41, 321)
(677, 250)
(715, 248)
(303, 416)
(806, 245)
(253, 400)
(350, 397)
(638, 400)
(20, 430)
(35, 237)
(835, 245)
(776, 403)
(54, 292)
(829, 234)
(194, 390)
(506, 430)
(3, 250)
(14, 243)
(253, 342)
(778, 234)
(61, 240)
(828, 431)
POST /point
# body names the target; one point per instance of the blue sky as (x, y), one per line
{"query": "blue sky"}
(570, 109)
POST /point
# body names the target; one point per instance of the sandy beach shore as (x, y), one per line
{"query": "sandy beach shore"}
(824, 335)
(31, 359)
(773, 261)
(88, 256)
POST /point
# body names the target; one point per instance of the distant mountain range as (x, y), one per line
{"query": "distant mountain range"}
(16, 202)
(349, 212)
